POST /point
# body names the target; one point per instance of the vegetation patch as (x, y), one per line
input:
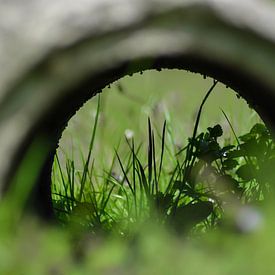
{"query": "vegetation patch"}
(190, 191)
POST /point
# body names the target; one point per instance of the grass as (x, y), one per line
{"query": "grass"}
(190, 190)
(134, 192)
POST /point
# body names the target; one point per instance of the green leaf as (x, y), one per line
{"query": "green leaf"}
(214, 146)
(208, 151)
(216, 131)
(236, 154)
(250, 147)
(259, 129)
(247, 137)
(189, 215)
(230, 164)
(245, 172)
(226, 149)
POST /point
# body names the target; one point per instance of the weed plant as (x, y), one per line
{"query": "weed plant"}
(188, 191)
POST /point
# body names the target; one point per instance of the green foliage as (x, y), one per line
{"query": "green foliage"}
(210, 183)
(189, 193)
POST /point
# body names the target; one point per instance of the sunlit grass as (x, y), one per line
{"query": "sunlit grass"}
(31, 247)
(142, 185)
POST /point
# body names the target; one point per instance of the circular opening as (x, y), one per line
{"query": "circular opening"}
(112, 182)
(65, 75)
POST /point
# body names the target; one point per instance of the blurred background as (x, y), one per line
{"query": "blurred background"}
(173, 95)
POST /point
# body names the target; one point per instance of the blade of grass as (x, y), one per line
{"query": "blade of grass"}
(86, 166)
(162, 149)
(190, 158)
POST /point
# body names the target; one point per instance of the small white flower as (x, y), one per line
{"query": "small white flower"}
(129, 134)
